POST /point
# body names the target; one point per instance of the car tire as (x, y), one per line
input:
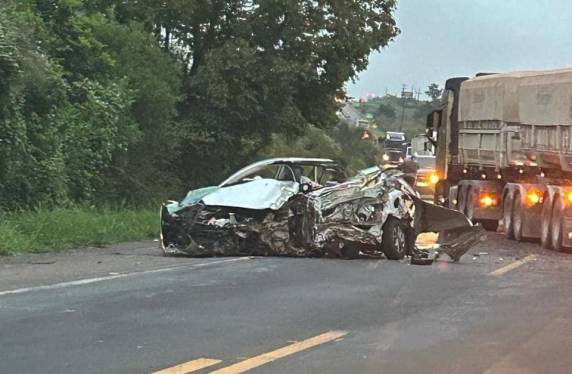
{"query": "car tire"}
(394, 240)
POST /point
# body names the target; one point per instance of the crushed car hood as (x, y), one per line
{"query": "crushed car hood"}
(192, 197)
(257, 194)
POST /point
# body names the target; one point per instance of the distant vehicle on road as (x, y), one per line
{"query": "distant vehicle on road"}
(392, 157)
(395, 141)
(362, 123)
(426, 176)
(420, 146)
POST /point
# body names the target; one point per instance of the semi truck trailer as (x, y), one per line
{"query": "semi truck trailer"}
(504, 153)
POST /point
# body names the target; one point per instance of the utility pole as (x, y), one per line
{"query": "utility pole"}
(402, 107)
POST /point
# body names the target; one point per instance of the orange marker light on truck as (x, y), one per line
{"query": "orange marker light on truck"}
(488, 200)
(434, 178)
(533, 198)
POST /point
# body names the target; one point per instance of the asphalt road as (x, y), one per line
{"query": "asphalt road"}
(128, 310)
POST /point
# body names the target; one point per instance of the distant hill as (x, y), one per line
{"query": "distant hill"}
(387, 113)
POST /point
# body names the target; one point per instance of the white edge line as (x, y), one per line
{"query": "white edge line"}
(82, 282)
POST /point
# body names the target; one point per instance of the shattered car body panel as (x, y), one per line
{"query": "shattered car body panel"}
(307, 207)
(258, 194)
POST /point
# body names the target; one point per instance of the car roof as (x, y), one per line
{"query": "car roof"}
(278, 161)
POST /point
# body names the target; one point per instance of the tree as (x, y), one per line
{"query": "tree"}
(434, 92)
(255, 68)
(105, 101)
(385, 112)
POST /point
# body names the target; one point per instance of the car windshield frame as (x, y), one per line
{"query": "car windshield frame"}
(290, 163)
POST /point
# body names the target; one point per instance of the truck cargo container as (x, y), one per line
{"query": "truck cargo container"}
(504, 152)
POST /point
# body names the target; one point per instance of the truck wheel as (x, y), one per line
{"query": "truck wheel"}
(556, 226)
(394, 240)
(453, 198)
(470, 205)
(517, 211)
(507, 216)
(545, 224)
(462, 199)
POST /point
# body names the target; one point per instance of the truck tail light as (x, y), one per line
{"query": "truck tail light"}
(533, 198)
(433, 178)
(569, 197)
(488, 200)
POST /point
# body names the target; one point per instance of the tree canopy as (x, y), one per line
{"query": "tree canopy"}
(124, 102)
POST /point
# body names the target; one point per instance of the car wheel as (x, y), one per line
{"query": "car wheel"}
(394, 241)
(507, 216)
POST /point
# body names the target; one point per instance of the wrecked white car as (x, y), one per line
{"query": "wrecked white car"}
(308, 207)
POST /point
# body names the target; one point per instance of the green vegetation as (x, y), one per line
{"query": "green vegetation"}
(388, 111)
(57, 229)
(106, 103)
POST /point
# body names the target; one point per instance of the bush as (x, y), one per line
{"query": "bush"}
(58, 229)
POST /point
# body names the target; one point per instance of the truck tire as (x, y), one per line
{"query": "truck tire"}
(453, 199)
(470, 204)
(462, 199)
(489, 224)
(546, 224)
(517, 211)
(394, 240)
(556, 226)
(507, 216)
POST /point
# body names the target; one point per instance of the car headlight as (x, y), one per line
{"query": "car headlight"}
(385, 157)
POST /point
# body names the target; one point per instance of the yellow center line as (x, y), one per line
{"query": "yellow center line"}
(254, 362)
(514, 265)
(189, 367)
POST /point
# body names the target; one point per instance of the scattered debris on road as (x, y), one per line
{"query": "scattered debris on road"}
(309, 208)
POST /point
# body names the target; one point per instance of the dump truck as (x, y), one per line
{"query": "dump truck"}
(504, 153)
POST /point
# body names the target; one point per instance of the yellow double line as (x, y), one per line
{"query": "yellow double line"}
(256, 361)
(514, 265)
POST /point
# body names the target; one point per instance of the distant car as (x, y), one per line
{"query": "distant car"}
(408, 153)
(307, 207)
(426, 176)
(394, 141)
(392, 157)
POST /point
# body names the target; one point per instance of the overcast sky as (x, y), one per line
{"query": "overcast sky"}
(445, 38)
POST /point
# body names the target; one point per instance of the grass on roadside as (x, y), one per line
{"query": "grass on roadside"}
(50, 230)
